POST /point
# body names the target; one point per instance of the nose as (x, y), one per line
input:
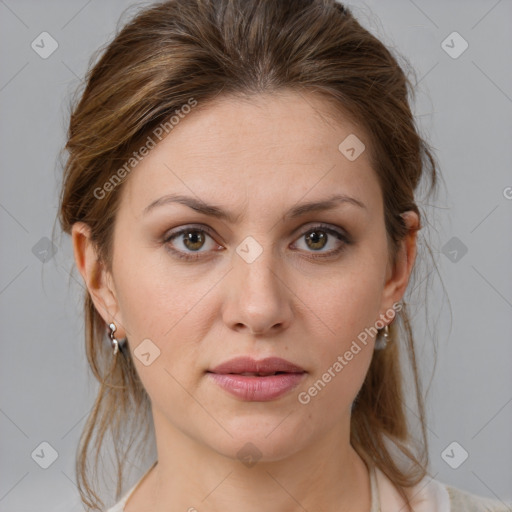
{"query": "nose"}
(257, 297)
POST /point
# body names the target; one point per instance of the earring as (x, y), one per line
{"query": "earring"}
(382, 338)
(116, 344)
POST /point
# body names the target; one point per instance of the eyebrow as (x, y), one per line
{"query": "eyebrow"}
(218, 212)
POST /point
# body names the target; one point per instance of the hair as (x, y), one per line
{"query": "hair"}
(176, 50)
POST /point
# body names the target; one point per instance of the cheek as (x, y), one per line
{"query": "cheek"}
(165, 315)
(345, 302)
(341, 312)
(154, 298)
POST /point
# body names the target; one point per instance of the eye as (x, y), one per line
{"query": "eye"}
(320, 237)
(189, 240)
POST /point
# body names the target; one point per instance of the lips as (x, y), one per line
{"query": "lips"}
(257, 381)
(248, 366)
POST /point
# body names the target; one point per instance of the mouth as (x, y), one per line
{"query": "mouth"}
(247, 366)
(256, 388)
(253, 374)
(257, 381)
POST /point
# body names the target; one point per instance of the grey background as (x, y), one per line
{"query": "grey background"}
(464, 107)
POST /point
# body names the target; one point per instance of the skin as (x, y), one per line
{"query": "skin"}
(256, 158)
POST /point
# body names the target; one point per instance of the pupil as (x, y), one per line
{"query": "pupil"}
(193, 237)
(317, 237)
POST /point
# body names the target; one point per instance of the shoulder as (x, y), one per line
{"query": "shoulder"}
(118, 507)
(431, 495)
(441, 497)
(461, 500)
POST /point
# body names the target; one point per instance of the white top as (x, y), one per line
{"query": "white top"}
(429, 495)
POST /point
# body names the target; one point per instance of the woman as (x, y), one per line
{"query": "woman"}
(240, 196)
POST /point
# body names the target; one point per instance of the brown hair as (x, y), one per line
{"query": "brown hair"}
(182, 49)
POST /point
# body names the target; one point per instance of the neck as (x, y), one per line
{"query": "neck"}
(328, 475)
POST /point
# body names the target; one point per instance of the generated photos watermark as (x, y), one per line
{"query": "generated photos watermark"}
(304, 397)
(159, 133)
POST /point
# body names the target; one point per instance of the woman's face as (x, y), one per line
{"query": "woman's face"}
(268, 278)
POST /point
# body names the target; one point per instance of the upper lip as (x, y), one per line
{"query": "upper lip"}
(250, 365)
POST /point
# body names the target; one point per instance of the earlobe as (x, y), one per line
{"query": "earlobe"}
(96, 278)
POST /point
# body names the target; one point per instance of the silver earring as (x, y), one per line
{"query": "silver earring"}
(116, 344)
(382, 338)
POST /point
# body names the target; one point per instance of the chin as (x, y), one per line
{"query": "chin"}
(263, 441)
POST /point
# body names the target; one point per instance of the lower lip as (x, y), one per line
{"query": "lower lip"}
(258, 389)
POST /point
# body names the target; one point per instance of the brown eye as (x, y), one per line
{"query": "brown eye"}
(316, 239)
(322, 237)
(190, 243)
(193, 239)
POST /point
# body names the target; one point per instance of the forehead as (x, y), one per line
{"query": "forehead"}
(270, 145)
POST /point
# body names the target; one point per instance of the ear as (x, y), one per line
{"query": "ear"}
(397, 277)
(98, 280)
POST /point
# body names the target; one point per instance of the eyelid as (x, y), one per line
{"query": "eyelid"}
(188, 227)
(322, 225)
(183, 255)
(336, 232)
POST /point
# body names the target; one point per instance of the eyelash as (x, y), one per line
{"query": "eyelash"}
(195, 256)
